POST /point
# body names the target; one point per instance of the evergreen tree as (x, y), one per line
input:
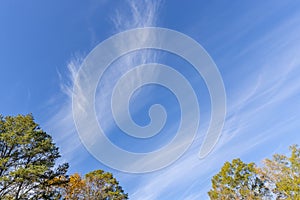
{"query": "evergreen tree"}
(27, 160)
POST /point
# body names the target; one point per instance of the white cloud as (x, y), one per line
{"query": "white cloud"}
(271, 83)
(247, 111)
(62, 124)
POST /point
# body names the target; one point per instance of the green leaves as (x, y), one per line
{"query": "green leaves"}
(237, 180)
(278, 178)
(27, 158)
(282, 174)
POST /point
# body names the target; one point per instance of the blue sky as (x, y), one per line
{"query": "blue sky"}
(255, 45)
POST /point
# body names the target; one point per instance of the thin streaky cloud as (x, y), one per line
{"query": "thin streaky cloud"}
(275, 75)
(62, 121)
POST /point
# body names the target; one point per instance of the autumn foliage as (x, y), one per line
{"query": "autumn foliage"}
(95, 185)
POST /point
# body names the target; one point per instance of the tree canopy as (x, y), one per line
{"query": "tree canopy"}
(237, 180)
(282, 174)
(277, 178)
(97, 184)
(28, 168)
(27, 160)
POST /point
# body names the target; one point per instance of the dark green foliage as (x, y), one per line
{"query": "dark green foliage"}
(27, 159)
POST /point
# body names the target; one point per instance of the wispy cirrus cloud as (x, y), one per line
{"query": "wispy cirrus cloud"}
(263, 93)
(257, 115)
(137, 15)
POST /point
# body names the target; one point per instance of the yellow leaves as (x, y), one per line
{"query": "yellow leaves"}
(95, 185)
(75, 188)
